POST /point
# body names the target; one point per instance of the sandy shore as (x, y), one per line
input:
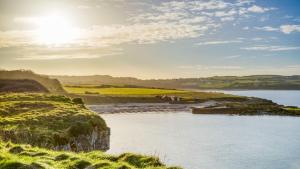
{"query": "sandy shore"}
(145, 107)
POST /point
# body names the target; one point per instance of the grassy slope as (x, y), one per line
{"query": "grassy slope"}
(52, 85)
(14, 156)
(45, 116)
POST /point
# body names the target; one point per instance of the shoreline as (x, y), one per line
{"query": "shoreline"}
(144, 107)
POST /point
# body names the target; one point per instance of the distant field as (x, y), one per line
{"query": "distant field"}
(122, 91)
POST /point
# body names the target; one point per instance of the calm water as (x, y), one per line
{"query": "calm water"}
(209, 141)
(212, 141)
(285, 97)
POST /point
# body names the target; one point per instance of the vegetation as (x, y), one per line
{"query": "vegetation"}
(252, 106)
(44, 119)
(52, 85)
(95, 95)
(25, 85)
(121, 91)
(217, 82)
(16, 156)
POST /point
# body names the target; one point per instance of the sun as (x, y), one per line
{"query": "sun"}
(55, 30)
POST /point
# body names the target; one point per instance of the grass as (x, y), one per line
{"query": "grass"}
(44, 119)
(94, 94)
(16, 156)
(122, 91)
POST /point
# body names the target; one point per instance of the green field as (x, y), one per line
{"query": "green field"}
(102, 95)
(122, 91)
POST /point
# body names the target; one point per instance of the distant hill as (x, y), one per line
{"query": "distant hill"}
(24, 85)
(275, 82)
(51, 85)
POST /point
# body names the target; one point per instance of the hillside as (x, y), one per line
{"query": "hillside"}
(275, 82)
(51, 121)
(25, 85)
(52, 85)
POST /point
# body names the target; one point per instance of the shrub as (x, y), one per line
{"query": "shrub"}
(16, 150)
(78, 100)
(81, 164)
(61, 157)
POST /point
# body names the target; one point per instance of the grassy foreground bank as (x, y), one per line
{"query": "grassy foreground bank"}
(14, 156)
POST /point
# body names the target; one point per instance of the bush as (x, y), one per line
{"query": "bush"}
(78, 101)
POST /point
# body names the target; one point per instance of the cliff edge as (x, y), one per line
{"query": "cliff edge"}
(51, 121)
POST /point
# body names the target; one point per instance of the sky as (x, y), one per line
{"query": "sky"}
(151, 39)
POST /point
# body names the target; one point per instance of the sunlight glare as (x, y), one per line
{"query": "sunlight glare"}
(55, 30)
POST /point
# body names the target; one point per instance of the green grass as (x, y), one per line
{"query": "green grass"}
(122, 91)
(16, 156)
(41, 118)
(292, 108)
(100, 95)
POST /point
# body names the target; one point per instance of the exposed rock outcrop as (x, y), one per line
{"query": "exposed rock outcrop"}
(97, 140)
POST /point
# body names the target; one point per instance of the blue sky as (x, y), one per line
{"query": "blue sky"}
(152, 38)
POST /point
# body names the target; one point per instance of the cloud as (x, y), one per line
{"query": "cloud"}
(41, 53)
(287, 29)
(218, 42)
(246, 28)
(232, 57)
(225, 13)
(267, 28)
(208, 67)
(258, 9)
(160, 22)
(271, 48)
(257, 39)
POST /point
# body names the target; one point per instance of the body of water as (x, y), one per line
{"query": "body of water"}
(212, 141)
(285, 97)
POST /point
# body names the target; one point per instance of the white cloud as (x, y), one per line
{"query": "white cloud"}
(246, 28)
(232, 57)
(161, 22)
(271, 48)
(258, 9)
(207, 67)
(227, 18)
(287, 29)
(267, 28)
(257, 39)
(225, 13)
(41, 53)
(218, 42)
(71, 56)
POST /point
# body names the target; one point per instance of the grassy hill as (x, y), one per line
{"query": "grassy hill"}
(51, 121)
(14, 156)
(52, 85)
(217, 82)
